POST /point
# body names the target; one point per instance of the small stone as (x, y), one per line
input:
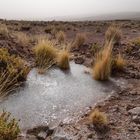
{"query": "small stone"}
(135, 111)
(79, 60)
(136, 119)
(90, 136)
(42, 136)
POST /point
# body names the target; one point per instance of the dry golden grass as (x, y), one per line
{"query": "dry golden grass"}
(9, 128)
(102, 65)
(22, 38)
(119, 62)
(39, 38)
(13, 72)
(45, 54)
(94, 49)
(79, 40)
(4, 30)
(63, 59)
(61, 37)
(136, 41)
(98, 118)
(113, 32)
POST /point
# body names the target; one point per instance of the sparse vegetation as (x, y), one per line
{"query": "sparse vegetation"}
(94, 48)
(102, 65)
(113, 32)
(98, 118)
(45, 54)
(9, 128)
(79, 40)
(63, 59)
(119, 62)
(13, 72)
(61, 36)
(4, 30)
(22, 38)
(136, 41)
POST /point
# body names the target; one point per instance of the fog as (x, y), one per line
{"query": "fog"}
(59, 9)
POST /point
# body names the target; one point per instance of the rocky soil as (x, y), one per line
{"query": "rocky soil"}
(122, 108)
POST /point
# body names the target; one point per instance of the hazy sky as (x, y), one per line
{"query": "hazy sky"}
(43, 9)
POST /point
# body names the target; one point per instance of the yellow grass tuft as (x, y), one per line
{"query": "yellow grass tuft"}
(61, 37)
(136, 41)
(79, 40)
(113, 32)
(102, 65)
(22, 38)
(63, 59)
(45, 54)
(98, 118)
(9, 128)
(13, 72)
(119, 62)
(4, 30)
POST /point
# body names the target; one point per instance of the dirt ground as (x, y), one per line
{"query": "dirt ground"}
(123, 124)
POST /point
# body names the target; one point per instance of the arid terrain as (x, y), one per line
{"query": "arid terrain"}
(122, 108)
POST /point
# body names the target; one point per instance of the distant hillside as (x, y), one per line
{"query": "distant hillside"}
(111, 16)
(114, 16)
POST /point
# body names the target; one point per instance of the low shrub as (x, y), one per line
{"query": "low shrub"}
(45, 54)
(115, 33)
(9, 128)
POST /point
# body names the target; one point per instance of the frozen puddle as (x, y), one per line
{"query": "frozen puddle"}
(56, 96)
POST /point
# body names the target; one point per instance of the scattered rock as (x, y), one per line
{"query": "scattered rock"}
(35, 131)
(59, 137)
(79, 60)
(136, 119)
(135, 111)
(42, 136)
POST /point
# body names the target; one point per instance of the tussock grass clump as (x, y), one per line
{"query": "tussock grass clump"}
(45, 54)
(13, 72)
(79, 40)
(119, 62)
(4, 30)
(113, 32)
(98, 118)
(94, 48)
(102, 65)
(61, 36)
(9, 128)
(63, 59)
(22, 38)
(136, 41)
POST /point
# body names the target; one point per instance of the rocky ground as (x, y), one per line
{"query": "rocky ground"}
(122, 108)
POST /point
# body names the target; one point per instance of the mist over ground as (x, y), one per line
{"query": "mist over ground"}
(69, 9)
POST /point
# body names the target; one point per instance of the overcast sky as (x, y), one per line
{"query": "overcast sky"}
(43, 9)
